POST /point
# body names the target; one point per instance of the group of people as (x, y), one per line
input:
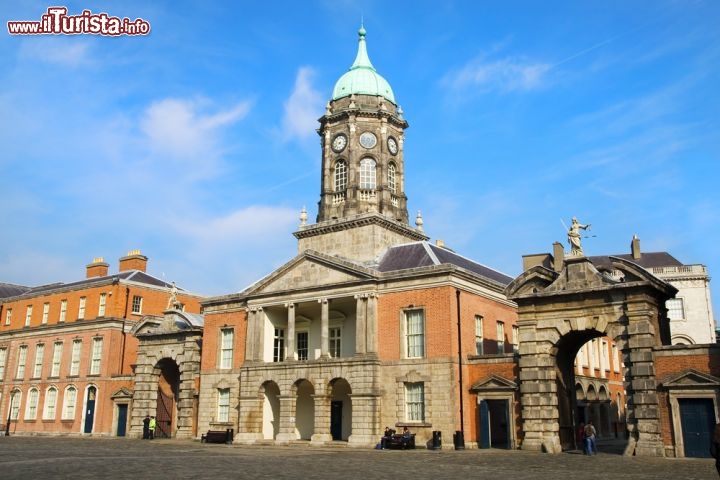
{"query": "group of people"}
(149, 425)
(389, 438)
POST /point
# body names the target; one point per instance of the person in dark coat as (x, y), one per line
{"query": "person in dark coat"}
(146, 427)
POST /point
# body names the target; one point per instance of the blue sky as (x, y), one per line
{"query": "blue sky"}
(196, 144)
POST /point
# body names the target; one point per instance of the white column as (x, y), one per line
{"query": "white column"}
(290, 353)
(371, 327)
(360, 320)
(324, 327)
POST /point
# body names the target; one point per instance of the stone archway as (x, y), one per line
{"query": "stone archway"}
(558, 311)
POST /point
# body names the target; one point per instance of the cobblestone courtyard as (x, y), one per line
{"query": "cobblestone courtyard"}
(98, 458)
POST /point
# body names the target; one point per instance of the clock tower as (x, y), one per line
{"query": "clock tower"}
(362, 190)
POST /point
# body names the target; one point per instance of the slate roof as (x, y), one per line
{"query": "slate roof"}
(424, 254)
(8, 290)
(646, 260)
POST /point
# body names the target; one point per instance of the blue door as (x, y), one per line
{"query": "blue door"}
(90, 410)
(697, 417)
(484, 423)
(122, 419)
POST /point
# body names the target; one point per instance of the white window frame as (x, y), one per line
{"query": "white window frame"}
(303, 353)
(22, 360)
(415, 401)
(32, 404)
(56, 359)
(37, 365)
(675, 308)
(137, 301)
(223, 405)
(335, 342)
(368, 173)
(616, 357)
(8, 316)
(279, 345)
(227, 339)
(500, 337)
(479, 335)
(96, 358)
(81, 308)
(516, 338)
(63, 311)
(50, 407)
(69, 402)
(414, 323)
(76, 356)
(3, 362)
(16, 399)
(28, 315)
(341, 176)
(102, 304)
(392, 178)
(46, 312)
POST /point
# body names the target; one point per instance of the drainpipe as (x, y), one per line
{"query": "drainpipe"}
(459, 439)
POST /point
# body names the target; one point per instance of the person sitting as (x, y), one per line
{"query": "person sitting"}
(384, 441)
(406, 437)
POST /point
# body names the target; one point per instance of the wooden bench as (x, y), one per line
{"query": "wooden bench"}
(217, 436)
(397, 441)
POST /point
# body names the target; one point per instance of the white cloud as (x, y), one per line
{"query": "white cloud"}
(505, 75)
(68, 52)
(303, 107)
(176, 126)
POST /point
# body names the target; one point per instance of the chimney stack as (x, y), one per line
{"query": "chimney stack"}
(134, 260)
(635, 248)
(98, 268)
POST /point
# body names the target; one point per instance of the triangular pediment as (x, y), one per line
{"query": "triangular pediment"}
(310, 270)
(494, 383)
(122, 393)
(691, 379)
(172, 322)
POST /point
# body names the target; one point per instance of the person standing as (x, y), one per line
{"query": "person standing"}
(146, 427)
(590, 433)
(151, 426)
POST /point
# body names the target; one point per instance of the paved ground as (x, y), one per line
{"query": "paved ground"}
(102, 458)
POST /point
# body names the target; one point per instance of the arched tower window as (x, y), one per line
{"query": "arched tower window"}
(340, 176)
(392, 185)
(367, 174)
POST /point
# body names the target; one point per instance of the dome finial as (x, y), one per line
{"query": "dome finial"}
(362, 60)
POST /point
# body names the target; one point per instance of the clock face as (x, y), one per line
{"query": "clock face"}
(392, 145)
(368, 140)
(339, 142)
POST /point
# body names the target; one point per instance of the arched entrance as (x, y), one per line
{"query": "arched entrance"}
(271, 410)
(340, 409)
(558, 312)
(89, 414)
(167, 394)
(304, 410)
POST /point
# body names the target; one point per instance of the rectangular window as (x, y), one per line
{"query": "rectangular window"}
(279, 345)
(479, 335)
(615, 354)
(675, 308)
(302, 345)
(97, 345)
(3, 360)
(50, 403)
(137, 304)
(75, 357)
(334, 342)
(46, 312)
(81, 308)
(415, 333)
(37, 366)
(8, 316)
(223, 409)
(516, 338)
(415, 402)
(28, 315)
(63, 310)
(32, 403)
(226, 347)
(56, 359)
(69, 405)
(22, 358)
(500, 337)
(101, 305)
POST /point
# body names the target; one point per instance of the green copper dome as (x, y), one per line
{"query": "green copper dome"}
(362, 77)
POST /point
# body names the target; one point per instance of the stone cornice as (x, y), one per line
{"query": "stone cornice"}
(339, 225)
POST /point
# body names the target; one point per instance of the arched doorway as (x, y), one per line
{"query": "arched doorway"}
(167, 394)
(559, 311)
(340, 409)
(304, 410)
(271, 410)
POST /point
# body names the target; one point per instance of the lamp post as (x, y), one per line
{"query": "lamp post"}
(7, 425)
